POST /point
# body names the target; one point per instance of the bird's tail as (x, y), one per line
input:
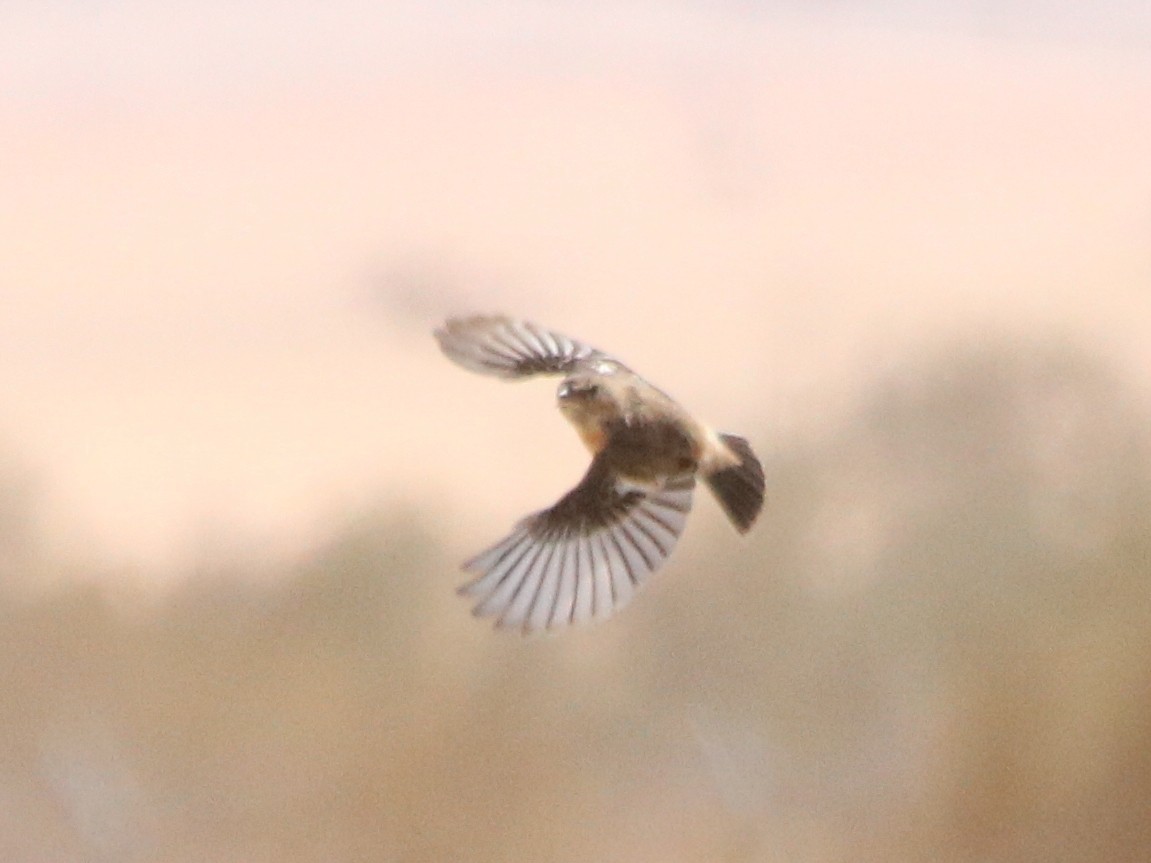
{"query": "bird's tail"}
(739, 487)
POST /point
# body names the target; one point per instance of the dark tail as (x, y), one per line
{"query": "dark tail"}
(739, 489)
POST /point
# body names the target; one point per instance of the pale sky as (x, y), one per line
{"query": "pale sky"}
(229, 229)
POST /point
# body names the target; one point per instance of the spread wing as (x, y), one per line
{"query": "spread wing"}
(511, 348)
(583, 558)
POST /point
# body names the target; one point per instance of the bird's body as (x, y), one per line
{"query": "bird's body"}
(583, 557)
(643, 432)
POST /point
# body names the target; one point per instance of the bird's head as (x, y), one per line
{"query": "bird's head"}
(579, 388)
(588, 401)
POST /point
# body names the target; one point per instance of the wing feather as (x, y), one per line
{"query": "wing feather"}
(511, 348)
(583, 558)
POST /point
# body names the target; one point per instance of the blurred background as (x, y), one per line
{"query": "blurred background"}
(905, 248)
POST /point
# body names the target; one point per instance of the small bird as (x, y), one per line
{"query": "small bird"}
(584, 557)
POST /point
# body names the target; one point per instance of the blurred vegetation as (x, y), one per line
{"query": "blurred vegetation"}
(935, 646)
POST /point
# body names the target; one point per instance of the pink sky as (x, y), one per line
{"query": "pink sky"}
(221, 267)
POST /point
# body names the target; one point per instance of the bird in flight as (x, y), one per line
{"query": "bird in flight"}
(584, 557)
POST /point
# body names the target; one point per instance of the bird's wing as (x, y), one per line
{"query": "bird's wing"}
(511, 348)
(584, 557)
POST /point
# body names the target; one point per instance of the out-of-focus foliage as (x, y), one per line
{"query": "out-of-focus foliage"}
(935, 646)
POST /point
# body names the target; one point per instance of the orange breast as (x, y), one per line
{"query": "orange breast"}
(588, 421)
(592, 435)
